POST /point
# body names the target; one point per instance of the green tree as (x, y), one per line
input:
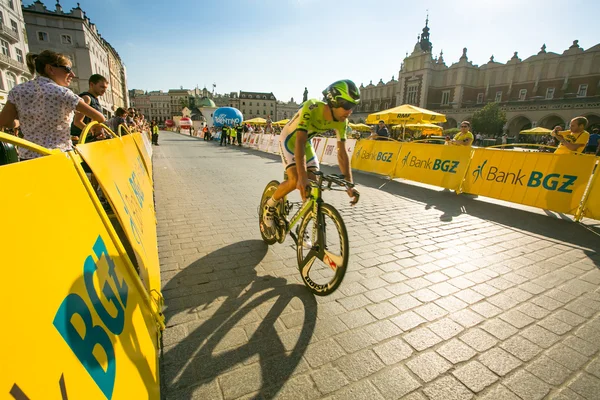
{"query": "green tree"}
(489, 120)
(184, 102)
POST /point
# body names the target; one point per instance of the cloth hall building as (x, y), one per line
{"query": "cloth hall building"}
(545, 89)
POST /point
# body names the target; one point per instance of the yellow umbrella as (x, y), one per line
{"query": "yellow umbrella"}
(282, 122)
(420, 126)
(405, 114)
(536, 131)
(360, 127)
(425, 129)
(257, 120)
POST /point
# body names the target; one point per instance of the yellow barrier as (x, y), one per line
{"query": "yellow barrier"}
(145, 149)
(591, 203)
(81, 324)
(435, 164)
(550, 181)
(376, 156)
(117, 166)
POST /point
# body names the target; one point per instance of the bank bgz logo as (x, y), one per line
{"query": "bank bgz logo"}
(374, 156)
(551, 182)
(436, 164)
(405, 159)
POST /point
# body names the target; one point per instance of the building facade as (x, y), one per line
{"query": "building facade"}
(375, 98)
(545, 89)
(257, 104)
(118, 78)
(178, 98)
(160, 106)
(13, 40)
(286, 110)
(74, 35)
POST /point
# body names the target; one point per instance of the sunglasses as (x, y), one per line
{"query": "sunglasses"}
(346, 105)
(65, 67)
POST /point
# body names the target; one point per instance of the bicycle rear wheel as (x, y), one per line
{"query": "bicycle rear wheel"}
(323, 262)
(269, 235)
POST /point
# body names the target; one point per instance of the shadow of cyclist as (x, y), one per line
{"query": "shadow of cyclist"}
(204, 354)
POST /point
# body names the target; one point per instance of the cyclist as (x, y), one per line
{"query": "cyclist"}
(295, 146)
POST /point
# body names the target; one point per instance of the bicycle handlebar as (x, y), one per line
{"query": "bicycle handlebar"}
(338, 180)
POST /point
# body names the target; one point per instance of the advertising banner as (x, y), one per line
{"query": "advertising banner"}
(550, 181)
(376, 156)
(140, 140)
(265, 141)
(591, 208)
(329, 155)
(254, 137)
(129, 191)
(81, 326)
(318, 143)
(434, 164)
(274, 146)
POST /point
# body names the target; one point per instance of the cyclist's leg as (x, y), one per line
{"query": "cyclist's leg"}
(288, 186)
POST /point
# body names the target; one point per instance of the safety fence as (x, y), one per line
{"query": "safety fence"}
(565, 183)
(85, 319)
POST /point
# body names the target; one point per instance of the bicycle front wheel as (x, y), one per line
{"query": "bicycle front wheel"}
(323, 260)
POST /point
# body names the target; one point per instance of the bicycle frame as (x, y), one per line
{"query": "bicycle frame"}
(313, 202)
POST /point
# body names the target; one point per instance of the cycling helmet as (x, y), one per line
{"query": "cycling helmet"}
(344, 90)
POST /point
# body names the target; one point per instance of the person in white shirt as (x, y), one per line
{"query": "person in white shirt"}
(44, 107)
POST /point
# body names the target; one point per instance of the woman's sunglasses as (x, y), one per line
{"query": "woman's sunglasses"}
(65, 67)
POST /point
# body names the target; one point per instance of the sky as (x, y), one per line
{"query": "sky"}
(283, 46)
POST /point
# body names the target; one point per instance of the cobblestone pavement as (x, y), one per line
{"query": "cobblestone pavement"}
(446, 297)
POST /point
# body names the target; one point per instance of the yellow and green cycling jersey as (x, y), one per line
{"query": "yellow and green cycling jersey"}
(310, 118)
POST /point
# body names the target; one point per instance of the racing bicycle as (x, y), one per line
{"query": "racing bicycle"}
(321, 238)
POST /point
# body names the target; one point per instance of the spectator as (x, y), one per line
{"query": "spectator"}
(464, 137)
(206, 132)
(504, 138)
(239, 130)
(155, 131)
(592, 146)
(246, 130)
(224, 135)
(44, 106)
(573, 140)
(130, 115)
(478, 139)
(382, 131)
(117, 120)
(97, 87)
(269, 125)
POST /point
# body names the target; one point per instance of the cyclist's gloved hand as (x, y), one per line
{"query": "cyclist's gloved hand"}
(354, 194)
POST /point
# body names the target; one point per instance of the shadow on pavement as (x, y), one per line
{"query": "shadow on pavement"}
(560, 229)
(216, 343)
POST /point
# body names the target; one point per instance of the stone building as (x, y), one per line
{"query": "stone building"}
(179, 98)
(13, 40)
(545, 89)
(257, 104)
(375, 98)
(118, 78)
(73, 34)
(286, 110)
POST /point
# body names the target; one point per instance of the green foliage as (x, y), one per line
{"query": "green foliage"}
(451, 131)
(489, 120)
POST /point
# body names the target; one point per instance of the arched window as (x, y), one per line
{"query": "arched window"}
(11, 80)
